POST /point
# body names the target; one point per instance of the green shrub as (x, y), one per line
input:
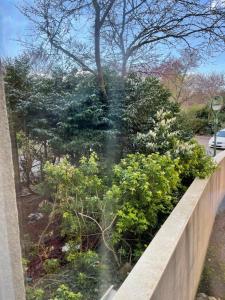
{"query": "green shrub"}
(193, 160)
(79, 279)
(197, 118)
(123, 214)
(200, 119)
(34, 294)
(143, 191)
(145, 187)
(86, 269)
(51, 265)
(144, 98)
(64, 293)
(78, 192)
(165, 138)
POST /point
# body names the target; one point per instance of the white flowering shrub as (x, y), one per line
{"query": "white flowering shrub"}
(166, 138)
(162, 137)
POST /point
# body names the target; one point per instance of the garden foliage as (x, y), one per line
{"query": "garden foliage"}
(112, 171)
(120, 216)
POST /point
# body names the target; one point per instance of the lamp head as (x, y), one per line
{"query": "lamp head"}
(217, 103)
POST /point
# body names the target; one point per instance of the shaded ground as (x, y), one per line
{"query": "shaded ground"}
(31, 204)
(32, 230)
(213, 276)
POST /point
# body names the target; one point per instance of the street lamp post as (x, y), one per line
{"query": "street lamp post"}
(216, 106)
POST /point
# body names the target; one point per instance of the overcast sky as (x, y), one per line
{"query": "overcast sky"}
(13, 27)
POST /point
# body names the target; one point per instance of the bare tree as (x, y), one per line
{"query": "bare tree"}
(137, 24)
(65, 25)
(93, 32)
(206, 86)
(187, 86)
(176, 74)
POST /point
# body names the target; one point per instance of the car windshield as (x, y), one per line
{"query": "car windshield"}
(221, 133)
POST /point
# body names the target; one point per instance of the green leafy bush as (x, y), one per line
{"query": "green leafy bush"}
(198, 119)
(51, 265)
(144, 97)
(120, 215)
(166, 138)
(193, 161)
(34, 293)
(64, 293)
(81, 278)
(78, 192)
(86, 268)
(144, 191)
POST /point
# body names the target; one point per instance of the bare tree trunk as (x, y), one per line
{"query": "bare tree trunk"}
(15, 155)
(124, 67)
(100, 76)
(45, 151)
(121, 38)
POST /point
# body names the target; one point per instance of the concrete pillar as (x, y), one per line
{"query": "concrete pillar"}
(11, 273)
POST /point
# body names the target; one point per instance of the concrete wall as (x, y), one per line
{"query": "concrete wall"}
(171, 266)
(11, 275)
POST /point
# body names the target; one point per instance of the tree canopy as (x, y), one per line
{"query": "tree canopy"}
(94, 33)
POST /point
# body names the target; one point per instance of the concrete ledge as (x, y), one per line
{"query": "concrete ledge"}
(11, 273)
(171, 266)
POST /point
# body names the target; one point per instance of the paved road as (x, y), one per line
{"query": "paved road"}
(212, 280)
(203, 140)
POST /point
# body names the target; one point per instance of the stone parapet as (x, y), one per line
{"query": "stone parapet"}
(11, 273)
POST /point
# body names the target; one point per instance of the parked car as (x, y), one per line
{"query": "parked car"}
(220, 140)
